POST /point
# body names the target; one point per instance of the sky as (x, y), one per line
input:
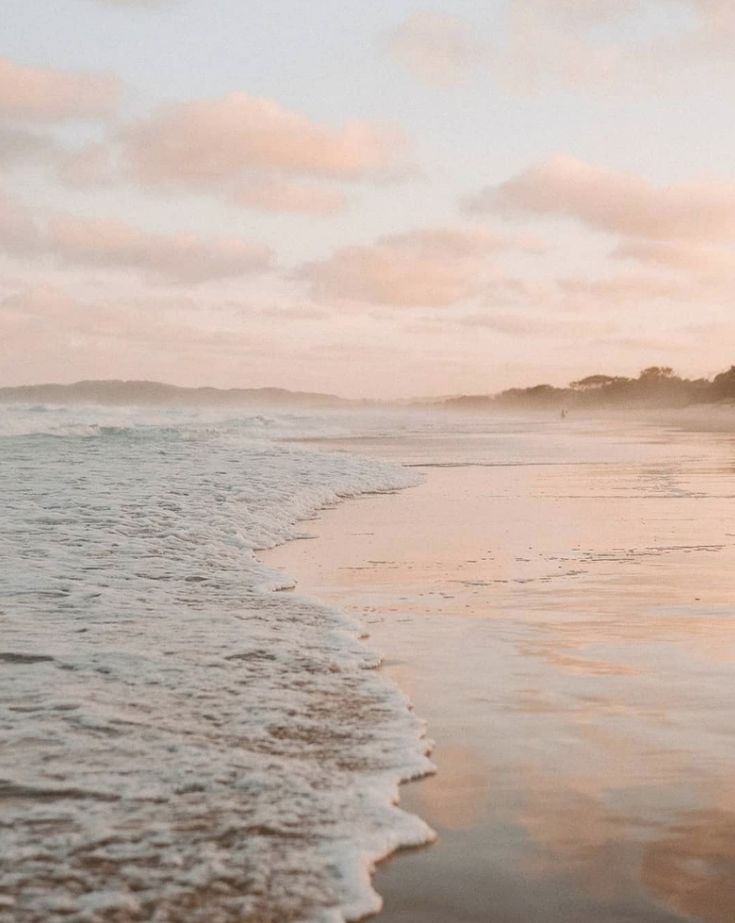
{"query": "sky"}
(374, 199)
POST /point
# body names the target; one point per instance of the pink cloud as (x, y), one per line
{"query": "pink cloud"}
(632, 288)
(18, 231)
(110, 244)
(248, 151)
(711, 267)
(274, 194)
(587, 11)
(619, 203)
(437, 47)
(18, 146)
(426, 268)
(47, 333)
(91, 165)
(528, 324)
(511, 324)
(61, 333)
(36, 94)
(524, 49)
(677, 255)
(585, 45)
(173, 257)
(208, 142)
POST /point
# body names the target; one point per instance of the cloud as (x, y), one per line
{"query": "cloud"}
(48, 332)
(436, 47)
(41, 301)
(247, 151)
(590, 11)
(661, 40)
(18, 232)
(526, 47)
(274, 194)
(210, 142)
(549, 327)
(623, 289)
(111, 244)
(698, 273)
(92, 337)
(583, 45)
(647, 346)
(174, 257)
(92, 165)
(681, 235)
(35, 94)
(18, 146)
(512, 324)
(618, 203)
(690, 257)
(425, 268)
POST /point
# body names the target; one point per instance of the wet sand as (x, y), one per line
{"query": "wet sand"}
(567, 629)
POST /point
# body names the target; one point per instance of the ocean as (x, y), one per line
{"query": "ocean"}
(180, 739)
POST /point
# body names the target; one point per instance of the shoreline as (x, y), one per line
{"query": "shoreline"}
(367, 868)
(353, 623)
(496, 601)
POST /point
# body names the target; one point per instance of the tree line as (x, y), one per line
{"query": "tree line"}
(656, 385)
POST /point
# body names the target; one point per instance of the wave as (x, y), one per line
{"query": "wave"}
(186, 743)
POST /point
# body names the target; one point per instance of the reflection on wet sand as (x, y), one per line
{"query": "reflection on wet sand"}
(568, 631)
(456, 807)
(692, 866)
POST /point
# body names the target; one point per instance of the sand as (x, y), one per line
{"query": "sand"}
(567, 631)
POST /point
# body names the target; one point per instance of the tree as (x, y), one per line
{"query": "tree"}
(724, 383)
(596, 381)
(656, 373)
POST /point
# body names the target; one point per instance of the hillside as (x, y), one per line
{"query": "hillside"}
(157, 393)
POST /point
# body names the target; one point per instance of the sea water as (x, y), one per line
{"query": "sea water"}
(180, 740)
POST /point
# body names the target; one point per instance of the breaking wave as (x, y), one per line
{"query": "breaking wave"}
(182, 742)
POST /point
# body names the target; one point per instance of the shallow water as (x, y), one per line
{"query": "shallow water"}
(559, 603)
(179, 741)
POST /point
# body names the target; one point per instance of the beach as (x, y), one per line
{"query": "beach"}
(557, 604)
(367, 451)
(195, 607)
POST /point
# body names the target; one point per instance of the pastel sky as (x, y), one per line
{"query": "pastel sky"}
(367, 197)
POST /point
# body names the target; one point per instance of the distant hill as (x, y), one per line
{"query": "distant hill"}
(157, 393)
(657, 386)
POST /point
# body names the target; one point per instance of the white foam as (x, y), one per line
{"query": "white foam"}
(181, 742)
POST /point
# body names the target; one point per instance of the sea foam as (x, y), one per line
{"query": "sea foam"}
(182, 741)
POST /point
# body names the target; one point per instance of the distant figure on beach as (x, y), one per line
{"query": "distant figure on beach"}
(563, 414)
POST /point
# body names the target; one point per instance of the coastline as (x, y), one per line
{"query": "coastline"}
(409, 832)
(559, 796)
(370, 868)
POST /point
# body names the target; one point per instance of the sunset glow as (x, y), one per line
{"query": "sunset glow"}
(367, 199)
